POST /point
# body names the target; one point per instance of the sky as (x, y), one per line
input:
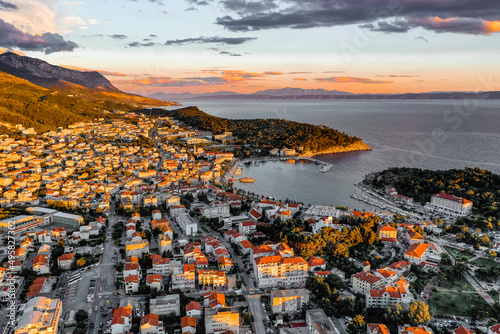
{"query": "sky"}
(197, 46)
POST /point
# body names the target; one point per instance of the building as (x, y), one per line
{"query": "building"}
(213, 278)
(122, 320)
(193, 309)
(40, 316)
(136, 247)
(165, 305)
(377, 329)
(184, 277)
(388, 234)
(154, 281)
(67, 220)
(221, 319)
(450, 204)
(417, 253)
(406, 329)
(19, 223)
(164, 243)
(464, 330)
(65, 261)
(319, 323)
(495, 329)
(214, 300)
(187, 224)
(284, 301)
(247, 227)
(271, 271)
(188, 325)
(41, 264)
(151, 324)
(363, 282)
(316, 263)
(131, 284)
(398, 293)
(216, 210)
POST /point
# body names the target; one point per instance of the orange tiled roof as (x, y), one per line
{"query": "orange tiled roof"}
(417, 250)
(188, 321)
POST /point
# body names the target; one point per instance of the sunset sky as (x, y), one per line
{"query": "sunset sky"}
(359, 46)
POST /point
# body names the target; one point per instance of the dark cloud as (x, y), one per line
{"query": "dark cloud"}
(215, 39)
(230, 54)
(398, 76)
(4, 5)
(117, 36)
(352, 80)
(199, 2)
(464, 16)
(393, 27)
(422, 38)
(153, 36)
(139, 44)
(11, 37)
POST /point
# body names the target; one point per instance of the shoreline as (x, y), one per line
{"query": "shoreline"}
(337, 149)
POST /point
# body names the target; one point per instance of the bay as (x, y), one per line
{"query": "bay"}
(428, 134)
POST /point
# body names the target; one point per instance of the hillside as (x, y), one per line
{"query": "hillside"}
(270, 133)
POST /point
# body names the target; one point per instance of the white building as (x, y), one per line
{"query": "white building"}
(216, 210)
(319, 323)
(165, 305)
(284, 301)
(40, 316)
(187, 224)
(450, 204)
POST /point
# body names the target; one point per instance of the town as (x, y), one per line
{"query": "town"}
(130, 225)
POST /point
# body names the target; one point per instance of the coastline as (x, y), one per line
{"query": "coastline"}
(360, 146)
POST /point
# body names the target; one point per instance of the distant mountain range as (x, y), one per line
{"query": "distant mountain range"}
(323, 94)
(44, 96)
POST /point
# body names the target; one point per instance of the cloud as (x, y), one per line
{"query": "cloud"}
(4, 5)
(139, 44)
(333, 71)
(398, 76)
(422, 38)
(20, 53)
(116, 74)
(352, 80)
(216, 78)
(298, 72)
(273, 73)
(117, 36)
(11, 37)
(230, 54)
(300, 79)
(215, 39)
(479, 17)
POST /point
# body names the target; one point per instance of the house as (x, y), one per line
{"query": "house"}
(388, 234)
(41, 264)
(213, 300)
(414, 237)
(377, 329)
(245, 246)
(450, 204)
(222, 319)
(276, 270)
(316, 263)
(225, 264)
(151, 324)
(188, 325)
(183, 277)
(154, 281)
(417, 253)
(363, 282)
(398, 293)
(122, 320)
(131, 268)
(414, 330)
(165, 305)
(495, 329)
(318, 323)
(64, 261)
(156, 214)
(284, 301)
(131, 284)
(40, 315)
(193, 309)
(247, 227)
(464, 330)
(254, 215)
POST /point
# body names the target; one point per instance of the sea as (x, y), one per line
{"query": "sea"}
(428, 134)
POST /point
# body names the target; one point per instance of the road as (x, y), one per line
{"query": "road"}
(479, 289)
(255, 307)
(105, 283)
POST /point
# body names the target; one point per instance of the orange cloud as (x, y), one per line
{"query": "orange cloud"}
(352, 80)
(492, 26)
(2, 50)
(273, 73)
(300, 79)
(116, 74)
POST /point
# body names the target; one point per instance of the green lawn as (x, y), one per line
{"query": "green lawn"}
(457, 283)
(485, 263)
(459, 302)
(453, 303)
(458, 254)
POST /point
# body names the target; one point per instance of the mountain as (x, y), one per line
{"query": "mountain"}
(289, 91)
(46, 75)
(187, 95)
(323, 94)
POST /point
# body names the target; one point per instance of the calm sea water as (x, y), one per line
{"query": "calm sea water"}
(431, 134)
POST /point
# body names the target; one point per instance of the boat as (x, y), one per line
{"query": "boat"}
(237, 171)
(247, 180)
(291, 161)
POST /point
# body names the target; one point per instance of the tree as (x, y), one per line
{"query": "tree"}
(419, 313)
(81, 315)
(80, 262)
(357, 325)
